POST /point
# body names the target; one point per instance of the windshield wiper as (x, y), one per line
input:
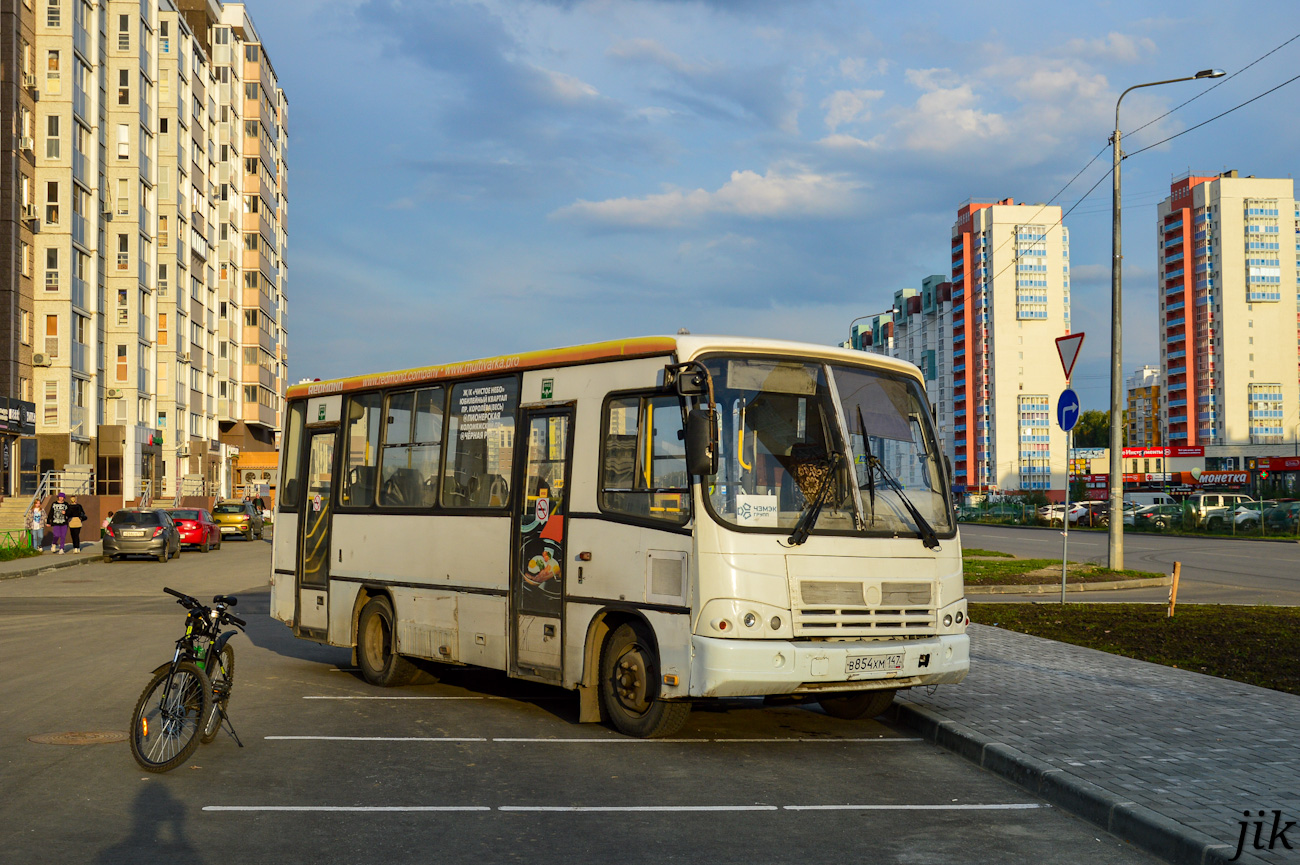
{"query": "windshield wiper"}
(923, 528)
(808, 518)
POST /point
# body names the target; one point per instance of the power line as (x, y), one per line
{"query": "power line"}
(1217, 84)
(1212, 119)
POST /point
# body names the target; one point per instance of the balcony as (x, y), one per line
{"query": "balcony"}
(79, 228)
(79, 166)
(78, 358)
(79, 294)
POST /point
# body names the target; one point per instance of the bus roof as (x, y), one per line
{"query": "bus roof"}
(685, 347)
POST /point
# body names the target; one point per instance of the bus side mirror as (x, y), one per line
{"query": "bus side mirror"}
(701, 443)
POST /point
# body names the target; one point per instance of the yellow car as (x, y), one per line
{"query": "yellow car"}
(238, 518)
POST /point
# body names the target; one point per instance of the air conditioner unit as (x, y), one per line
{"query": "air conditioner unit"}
(183, 356)
(183, 452)
(113, 392)
(106, 207)
(26, 142)
(29, 211)
(29, 80)
(39, 359)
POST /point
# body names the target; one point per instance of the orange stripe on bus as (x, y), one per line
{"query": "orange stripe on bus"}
(625, 348)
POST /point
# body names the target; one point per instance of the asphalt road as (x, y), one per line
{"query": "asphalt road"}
(1214, 570)
(472, 768)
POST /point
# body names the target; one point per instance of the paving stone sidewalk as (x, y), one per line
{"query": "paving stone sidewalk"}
(1194, 749)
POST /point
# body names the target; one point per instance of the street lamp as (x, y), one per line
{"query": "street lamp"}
(893, 310)
(1115, 545)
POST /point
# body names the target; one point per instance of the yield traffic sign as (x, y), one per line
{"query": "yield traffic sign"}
(1068, 348)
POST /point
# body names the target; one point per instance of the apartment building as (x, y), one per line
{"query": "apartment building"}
(919, 331)
(1010, 301)
(18, 88)
(1228, 311)
(1142, 417)
(137, 303)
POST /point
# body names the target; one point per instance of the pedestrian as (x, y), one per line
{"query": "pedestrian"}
(108, 521)
(34, 523)
(58, 519)
(77, 517)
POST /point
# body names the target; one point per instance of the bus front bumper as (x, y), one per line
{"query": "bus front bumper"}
(751, 668)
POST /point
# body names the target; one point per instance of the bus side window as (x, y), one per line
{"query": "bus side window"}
(480, 444)
(408, 469)
(643, 470)
(292, 457)
(362, 441)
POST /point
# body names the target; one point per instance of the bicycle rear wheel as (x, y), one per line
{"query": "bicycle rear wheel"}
(168, 717)
(223, 682)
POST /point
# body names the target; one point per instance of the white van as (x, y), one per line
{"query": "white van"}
(1144, 499)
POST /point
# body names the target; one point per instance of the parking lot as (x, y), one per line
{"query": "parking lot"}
(470, 767)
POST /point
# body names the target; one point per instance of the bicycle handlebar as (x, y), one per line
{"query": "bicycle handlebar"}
(235, 619)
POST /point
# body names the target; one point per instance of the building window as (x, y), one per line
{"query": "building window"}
(51, 416)
(53, 13)
(164, 237)
(52, 335)
(52, 203)
(121, 363)
(162, 280)
(162, 329)
(164, 92)
(124, 33)
(123, 252)
(123, 141)
(123, 87)
(52, 147)
(25, 334)
(123, 196)
(51, 269)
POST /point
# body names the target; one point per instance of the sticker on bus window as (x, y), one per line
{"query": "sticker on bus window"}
(756, 510)
(543, 511)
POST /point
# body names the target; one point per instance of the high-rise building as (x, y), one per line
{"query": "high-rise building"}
(18, 339)
(1142, 418)
(1228, 311)
(1010, 301)
(141, 308)
(920, 331)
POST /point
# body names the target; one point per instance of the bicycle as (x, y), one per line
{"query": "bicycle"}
(185, 702)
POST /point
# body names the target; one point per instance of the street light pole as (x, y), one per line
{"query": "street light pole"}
(1115, 533)
(893, 310)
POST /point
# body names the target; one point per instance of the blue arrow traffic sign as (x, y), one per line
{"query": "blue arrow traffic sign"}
(1067, 410)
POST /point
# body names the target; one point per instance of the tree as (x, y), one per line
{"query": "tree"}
(1092, 430)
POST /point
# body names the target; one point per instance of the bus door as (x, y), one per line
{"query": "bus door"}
(313, 568)
(538, 564)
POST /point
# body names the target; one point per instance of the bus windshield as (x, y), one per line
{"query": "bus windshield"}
(789, 427)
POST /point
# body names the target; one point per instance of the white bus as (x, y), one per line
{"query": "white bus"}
(651, 522)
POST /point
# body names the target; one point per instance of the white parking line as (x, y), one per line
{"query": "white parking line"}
(380, 738)
(571, 741)
(588, 809)
(402, 698)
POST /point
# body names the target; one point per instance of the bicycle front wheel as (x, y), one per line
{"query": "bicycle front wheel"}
(168, 718)
(223, 682)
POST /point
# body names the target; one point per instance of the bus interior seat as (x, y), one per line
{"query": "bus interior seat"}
(361, 486)
(403, 488)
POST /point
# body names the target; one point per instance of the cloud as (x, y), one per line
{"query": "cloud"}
(849, 106)
(947, 115)
(745, 94)
(1115, 48)
(783, 193)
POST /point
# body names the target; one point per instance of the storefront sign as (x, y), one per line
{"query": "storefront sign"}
(1279, 464)
(1224, 478)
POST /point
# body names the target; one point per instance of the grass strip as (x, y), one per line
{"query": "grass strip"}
(988, 554)
(1256, 645)
(985, 572)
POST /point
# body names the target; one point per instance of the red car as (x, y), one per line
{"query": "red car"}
(196, 528)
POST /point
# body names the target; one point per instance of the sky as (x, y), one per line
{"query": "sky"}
(470, 178)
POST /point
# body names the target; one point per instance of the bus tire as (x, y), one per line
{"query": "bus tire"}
(629, 686)
(376, 637)
(864, 704)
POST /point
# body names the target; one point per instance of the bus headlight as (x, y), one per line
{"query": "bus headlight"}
(775, 623)
(947, 620)
(750, 620)
(721, 625)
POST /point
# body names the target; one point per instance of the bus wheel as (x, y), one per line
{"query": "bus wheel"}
(629, 687)
(380, 665)
(864, 704)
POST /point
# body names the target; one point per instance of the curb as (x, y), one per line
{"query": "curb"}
(1049, 588)
(1057, 529)
(75, 560)
(1141, 826)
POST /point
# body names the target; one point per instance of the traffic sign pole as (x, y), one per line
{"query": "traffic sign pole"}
(1065, 518)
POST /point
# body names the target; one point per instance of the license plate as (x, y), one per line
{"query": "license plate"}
(225, 529)
(133, 534)
(873, 663)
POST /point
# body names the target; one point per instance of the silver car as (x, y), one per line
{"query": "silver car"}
(142, 532)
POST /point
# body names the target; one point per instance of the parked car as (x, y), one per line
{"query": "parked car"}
(1248, 514)
(1283, 517)
(1158, 517)
(1090, 513)
(238, 518)
(1211, 509)
(141, 532)
(196, 528)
